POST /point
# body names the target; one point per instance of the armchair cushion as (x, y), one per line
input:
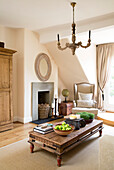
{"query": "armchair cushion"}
(85, 96)
(85, 103)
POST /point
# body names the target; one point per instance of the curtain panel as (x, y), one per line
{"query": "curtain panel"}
(104, 56)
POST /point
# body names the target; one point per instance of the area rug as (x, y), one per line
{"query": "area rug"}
(93, 154)
(106, 153)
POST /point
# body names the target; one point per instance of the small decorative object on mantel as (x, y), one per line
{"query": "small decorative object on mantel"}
(65, 93)
(2, 44)
(73, 46)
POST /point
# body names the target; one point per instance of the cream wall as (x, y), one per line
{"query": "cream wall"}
(27, 45)
(77, 68)
(32, 49)
(8, 36)
(61, 86)
(87, 59)
(20, 74)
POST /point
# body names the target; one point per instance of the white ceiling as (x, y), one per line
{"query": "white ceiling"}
(41, 14)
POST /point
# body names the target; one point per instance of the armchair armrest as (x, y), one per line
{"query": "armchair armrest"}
(95, 104)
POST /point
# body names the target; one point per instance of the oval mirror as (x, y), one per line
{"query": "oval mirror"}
(43, 66)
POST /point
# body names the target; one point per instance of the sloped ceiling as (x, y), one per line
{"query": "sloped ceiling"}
(71, 70)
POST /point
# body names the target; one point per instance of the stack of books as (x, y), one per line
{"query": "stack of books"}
(44, 129)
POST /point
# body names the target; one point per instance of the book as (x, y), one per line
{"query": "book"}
(45, 127)
(42, 132)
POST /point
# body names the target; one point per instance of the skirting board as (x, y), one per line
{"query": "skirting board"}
(21, 119)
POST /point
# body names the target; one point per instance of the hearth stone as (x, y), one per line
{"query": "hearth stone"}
(47, 120)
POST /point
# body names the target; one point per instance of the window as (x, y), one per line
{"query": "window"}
(109, 90)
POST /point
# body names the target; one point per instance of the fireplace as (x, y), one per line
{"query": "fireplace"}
(43, 104)
(42, 93)
(43, 97)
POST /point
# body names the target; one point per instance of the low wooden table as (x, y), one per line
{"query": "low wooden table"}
(54, 143)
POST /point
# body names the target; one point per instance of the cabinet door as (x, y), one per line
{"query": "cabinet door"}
(69, 110)
(4, 73)
(5, 115)
(63, 109)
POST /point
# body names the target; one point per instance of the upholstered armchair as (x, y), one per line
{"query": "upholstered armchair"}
(84, 96)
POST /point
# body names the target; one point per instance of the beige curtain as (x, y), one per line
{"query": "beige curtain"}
(104, 56)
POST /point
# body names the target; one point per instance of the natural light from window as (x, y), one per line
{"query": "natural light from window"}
(111, 84)
(109, 90)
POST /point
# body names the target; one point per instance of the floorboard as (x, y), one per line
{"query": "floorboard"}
(19, 132)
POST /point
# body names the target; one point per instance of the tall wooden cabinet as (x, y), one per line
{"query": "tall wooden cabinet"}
(6, 110)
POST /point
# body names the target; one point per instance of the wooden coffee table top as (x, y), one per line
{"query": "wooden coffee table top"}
(61, 140)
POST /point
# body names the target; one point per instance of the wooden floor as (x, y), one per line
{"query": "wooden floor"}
(19, 132)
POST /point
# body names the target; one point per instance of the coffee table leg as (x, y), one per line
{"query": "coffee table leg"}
(59, 160)
(100, 132)
(31, 147)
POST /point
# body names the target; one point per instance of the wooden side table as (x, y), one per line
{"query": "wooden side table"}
(65, 108)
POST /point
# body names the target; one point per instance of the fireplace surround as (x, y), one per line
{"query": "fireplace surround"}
(39, 88)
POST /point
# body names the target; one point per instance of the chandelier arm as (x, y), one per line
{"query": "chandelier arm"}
(62, 48)
(85, 46)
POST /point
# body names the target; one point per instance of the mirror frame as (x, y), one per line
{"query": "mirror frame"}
(37, 66)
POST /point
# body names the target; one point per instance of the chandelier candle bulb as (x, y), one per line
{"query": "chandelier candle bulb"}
(89, 34)
(58, 37)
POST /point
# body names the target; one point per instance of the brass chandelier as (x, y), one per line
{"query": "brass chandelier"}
(74, 45)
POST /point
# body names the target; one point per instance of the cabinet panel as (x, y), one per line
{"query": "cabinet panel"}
(4, 73)
(5, 107)
(69, 110)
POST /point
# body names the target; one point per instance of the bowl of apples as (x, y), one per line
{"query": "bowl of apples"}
(63, 129)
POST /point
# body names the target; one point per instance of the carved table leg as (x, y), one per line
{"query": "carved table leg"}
(31, 147)
(100, 132)
(59, 160)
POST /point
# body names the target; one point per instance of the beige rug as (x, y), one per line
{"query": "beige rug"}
(93, 154)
